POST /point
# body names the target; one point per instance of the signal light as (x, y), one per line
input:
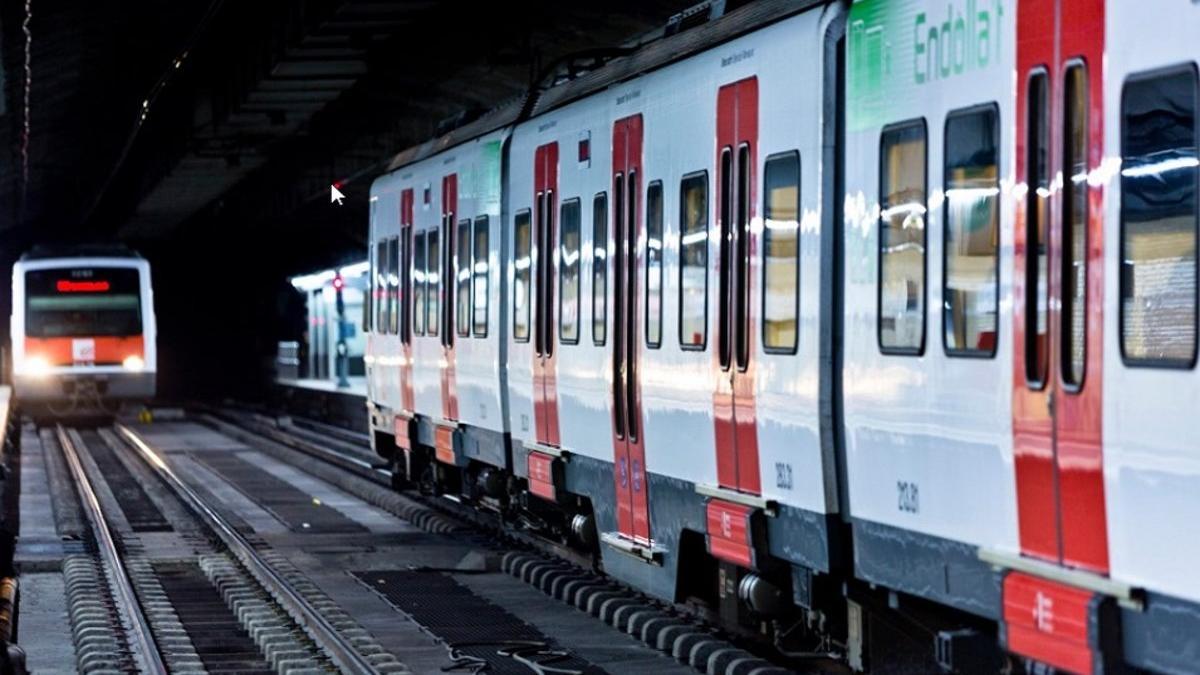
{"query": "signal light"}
(338, 282)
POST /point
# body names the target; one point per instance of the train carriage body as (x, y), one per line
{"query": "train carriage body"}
(437, 372)
(83, 330)
(630, 307)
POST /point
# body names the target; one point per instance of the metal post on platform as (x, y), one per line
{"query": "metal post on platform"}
(343, 357)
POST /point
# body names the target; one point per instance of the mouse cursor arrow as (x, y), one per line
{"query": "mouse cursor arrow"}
(335, 195)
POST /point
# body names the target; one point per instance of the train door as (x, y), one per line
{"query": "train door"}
(545, 386)
(733, 400)
(629, 466)
(1059, 284)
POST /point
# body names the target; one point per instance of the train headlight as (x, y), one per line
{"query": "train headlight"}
(35, 366)
(133, 363)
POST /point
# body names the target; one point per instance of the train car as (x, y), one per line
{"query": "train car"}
(437, 333)
(665, 358)
(83, 329)
(1026, 452)
(718, 370)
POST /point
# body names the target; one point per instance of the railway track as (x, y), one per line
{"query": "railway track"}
(342, 457)
(217, 602)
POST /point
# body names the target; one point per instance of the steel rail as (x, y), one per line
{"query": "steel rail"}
(142, 642)
(340, 649)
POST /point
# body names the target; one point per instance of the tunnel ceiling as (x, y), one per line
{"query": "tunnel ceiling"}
(154, 121)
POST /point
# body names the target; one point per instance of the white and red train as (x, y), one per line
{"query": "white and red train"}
(83, 329)
(676, 310)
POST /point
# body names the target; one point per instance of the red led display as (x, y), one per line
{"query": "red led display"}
(69, 286)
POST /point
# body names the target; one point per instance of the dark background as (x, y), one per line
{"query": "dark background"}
(224, 184)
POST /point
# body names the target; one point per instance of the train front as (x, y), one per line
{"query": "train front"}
(83, 333)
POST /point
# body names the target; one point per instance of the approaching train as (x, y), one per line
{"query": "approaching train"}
(676, 312)
(83, 330)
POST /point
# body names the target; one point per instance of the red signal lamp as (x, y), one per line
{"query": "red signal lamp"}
(338, 282)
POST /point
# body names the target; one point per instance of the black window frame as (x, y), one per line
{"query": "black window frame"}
(994, 108)
(419, 306)
(481, 224)
(1066, 378)
(703, 175)
(600, 199)
(1032, 272)
(433, 263)
(529, 328)
(463, 330)
(393, 291)
(920, 349)
(762, 318)
(1188, 68)
(662, 206)
(577, 203)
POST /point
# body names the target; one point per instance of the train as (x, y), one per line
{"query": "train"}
(83, 329)
(865, 328)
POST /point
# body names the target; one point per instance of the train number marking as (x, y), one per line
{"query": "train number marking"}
(908, 497)
(783, 476)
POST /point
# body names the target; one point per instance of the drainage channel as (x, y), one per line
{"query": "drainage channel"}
(338, 637)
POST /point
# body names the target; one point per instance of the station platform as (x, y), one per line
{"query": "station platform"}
(322, 399)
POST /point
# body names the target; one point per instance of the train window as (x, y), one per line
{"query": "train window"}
(462, 271)
(970, 288)
(1037, 201)
(108, 303)
(418, 276)
(654, 263)
(599, 268)
(741, 306)
(693, 260)
(1160, 163)
(368, 311)
(568, 271)
(1075, 211)
(380, 286)
(405, 308)
(781, 252)
(902, 238)
(725, 200)
(479, 270)
(393, 250)
(522, 242)
(433, 282)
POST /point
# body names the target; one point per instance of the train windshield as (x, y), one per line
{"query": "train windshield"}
(82, 302)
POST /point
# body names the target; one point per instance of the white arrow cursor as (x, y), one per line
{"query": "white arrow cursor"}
(335, 195)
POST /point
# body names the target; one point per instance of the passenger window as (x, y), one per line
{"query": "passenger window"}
(418, 274)
(902, 238)
(368, 302)
(1037, 203)
(1074, 246)
(1159, 219)
(972, 209)
(781, 252)
(394, 285)
(654, 230)
(568, 271)
(479, 271)
(433, 281)
(693, 261)
(521, 263)
(381, 272)
(405, 308)
(462, 270)
(599, 268)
